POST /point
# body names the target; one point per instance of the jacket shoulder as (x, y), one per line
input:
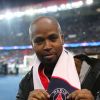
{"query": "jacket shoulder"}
(25, 86)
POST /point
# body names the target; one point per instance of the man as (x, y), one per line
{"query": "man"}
(53, 75)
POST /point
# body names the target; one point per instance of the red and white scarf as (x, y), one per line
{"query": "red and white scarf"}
(65, 70)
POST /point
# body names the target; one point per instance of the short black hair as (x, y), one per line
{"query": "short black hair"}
(54, 20)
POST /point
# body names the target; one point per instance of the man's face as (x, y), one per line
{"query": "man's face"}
(47, 42)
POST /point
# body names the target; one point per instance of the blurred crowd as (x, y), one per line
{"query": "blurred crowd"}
(81, 28)
(76, 29)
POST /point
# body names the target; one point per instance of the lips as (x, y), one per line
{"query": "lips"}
(49, 56)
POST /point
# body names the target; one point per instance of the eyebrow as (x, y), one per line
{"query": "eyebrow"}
(38, 39)
(53, 35)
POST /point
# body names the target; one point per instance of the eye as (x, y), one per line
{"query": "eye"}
(53, 37)
(39, 40)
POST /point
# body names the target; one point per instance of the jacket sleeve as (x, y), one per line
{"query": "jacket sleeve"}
(20, 94)
(25, 86)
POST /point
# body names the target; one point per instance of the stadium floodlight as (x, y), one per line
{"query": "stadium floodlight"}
(44, 10)
(2, 17)
(18, 14)
(77, 4)
(49, 9)
(41, 11)
(62, 7)
(89, 2)
(8, 15)
(68, 6)
(29, 12)
(52, 8)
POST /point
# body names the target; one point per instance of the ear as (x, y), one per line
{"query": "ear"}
(62, 37)
(32, 45)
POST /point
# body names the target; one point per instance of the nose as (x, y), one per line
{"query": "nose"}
(47, 45)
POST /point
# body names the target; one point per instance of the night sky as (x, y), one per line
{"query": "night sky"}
(17, 3)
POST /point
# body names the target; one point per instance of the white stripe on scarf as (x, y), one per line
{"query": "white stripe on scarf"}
(65, 69)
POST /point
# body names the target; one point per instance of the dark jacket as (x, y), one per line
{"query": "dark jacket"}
(91, 81)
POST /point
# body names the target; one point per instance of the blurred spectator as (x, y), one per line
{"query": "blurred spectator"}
(4, 68)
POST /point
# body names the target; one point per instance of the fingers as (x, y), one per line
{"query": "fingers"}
(83, 94)
(38, 94)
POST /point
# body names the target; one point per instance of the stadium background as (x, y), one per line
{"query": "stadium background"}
(80, 22)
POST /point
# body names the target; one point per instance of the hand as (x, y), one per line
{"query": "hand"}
(38, 94)
(83, 94)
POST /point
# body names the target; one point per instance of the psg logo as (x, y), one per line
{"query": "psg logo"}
(59, 94)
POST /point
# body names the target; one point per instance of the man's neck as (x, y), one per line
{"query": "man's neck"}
(48, 70)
